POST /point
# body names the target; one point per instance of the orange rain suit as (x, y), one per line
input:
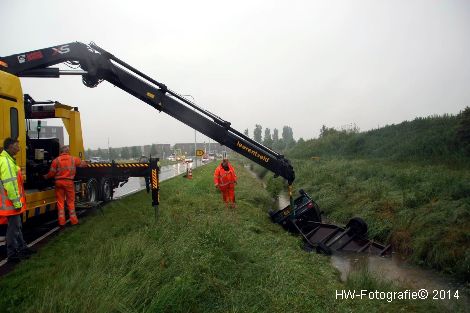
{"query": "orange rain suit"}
(225, 181)
(63, 169)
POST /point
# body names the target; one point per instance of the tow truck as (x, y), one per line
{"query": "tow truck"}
(98, 180)
(94, 65)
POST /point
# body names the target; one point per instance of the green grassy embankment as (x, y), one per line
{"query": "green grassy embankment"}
(410, 182)
(437, 139)
(423, 210)
(198, 257)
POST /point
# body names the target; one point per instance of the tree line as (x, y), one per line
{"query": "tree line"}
(272, 140)
(446, 136)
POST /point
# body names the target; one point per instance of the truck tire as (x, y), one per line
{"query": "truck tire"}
(106, 189)
(92, 191)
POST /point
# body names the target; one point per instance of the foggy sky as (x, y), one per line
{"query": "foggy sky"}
(273, 63)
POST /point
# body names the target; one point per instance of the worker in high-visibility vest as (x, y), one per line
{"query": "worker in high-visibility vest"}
(12, 201)
(225, 180)
(63, 169)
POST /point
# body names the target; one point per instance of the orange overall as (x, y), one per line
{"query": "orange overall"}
(225, 180)
(63, 169)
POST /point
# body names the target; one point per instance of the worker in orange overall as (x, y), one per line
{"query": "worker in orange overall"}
(225, 180)
(63, 169)
(12, 201)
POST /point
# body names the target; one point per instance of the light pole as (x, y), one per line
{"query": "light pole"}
(195, 142)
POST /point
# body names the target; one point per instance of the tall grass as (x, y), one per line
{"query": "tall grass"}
(433, 138)
(410, 182)
(197, 257)
(423, 210)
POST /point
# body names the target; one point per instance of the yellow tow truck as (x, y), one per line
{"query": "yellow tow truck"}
(93, 184)
(95, 65)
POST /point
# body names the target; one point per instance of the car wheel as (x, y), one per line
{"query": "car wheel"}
(357, 226)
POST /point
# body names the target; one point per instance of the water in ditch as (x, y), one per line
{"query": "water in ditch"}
(395, 269)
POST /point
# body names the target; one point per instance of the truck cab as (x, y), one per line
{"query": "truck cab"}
(12, 115)
(40, 199)
(92, 184)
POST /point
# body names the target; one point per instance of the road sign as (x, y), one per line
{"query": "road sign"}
(199, 152)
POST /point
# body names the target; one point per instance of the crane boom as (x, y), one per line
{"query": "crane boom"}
(98, 64)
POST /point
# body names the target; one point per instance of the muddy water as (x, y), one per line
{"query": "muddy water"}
(394, 268)
(138, 183)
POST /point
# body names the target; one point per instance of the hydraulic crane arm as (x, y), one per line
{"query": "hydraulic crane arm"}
(98, 65)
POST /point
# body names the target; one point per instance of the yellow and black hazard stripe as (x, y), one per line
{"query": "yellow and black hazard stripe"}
(154, 179)
(99, 165)
(118, 165)
(132, 165)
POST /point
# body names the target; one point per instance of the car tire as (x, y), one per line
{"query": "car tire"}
(357, 226)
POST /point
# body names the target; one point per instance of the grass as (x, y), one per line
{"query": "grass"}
(423, 210)
(410, 182)
(197, 257)
(439, 139)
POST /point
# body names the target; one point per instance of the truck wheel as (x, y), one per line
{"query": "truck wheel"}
(106, 189)
(92, 190)
(357, 226)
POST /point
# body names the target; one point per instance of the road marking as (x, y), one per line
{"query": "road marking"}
(4, 261)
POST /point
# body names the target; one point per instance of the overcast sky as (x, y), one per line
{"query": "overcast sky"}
(273, 63)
